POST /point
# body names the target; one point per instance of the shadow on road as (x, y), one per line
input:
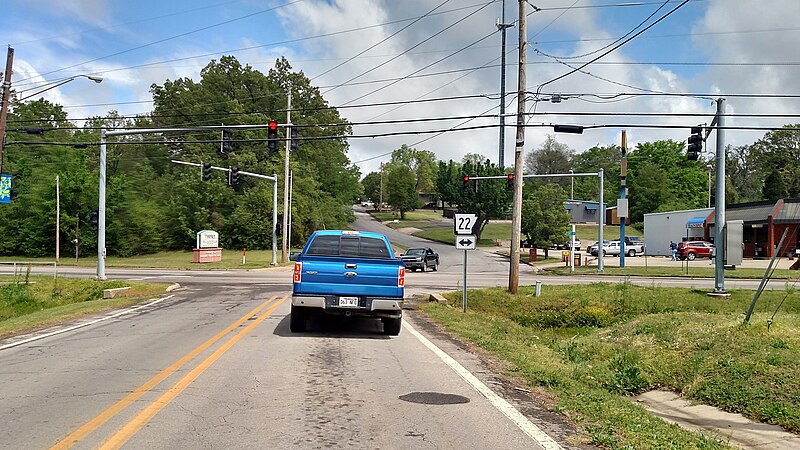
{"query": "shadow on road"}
(335, 326)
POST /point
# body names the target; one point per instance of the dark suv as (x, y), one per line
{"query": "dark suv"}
(695, 249)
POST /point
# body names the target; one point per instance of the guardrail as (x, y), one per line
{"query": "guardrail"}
(20, 266)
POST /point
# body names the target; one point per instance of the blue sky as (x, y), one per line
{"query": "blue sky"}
(135, 44)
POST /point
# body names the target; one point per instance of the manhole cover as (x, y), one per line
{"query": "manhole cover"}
(434, 398)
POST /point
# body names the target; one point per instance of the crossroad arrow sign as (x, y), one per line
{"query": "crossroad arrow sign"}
(465, 242)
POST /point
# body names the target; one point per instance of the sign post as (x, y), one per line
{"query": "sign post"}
(572, 249)
(463, 225)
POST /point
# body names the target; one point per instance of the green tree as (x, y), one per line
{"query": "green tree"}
(551, 157)
(780, 148)
(400, 189)
(422, 164)
(545, 221)
(592, 160)
(372, 187)
(661, 178)
(492, 201)
(773, 186)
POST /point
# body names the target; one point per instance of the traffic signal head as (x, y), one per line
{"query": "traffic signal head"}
(293, 138)
(227, 142)
(465, 179)
(272, 136)
(234, 176)
(94, 218)
(510, 182)
(206, 171)
(695, 144)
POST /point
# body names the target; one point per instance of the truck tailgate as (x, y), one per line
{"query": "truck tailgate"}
(349, 276)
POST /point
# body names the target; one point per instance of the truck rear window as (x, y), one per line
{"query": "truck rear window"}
(352, 246)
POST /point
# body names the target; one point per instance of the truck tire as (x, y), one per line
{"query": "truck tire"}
(424, 265)
(391, 327)
(297, 319)
(436, 266)
(631, 252)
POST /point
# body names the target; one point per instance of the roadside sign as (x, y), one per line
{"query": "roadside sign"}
(464, 223)
(570, 233)
(465, 242)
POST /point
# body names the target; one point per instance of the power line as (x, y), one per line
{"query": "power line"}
(159, 41)
(616, 46)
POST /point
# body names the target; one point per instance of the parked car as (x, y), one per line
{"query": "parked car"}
(609, 248)
(348, 273)
(695, 249)
(634, 245)
(565, 245)
(421, 258)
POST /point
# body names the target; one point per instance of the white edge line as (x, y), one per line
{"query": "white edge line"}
(86, 324)
(498, 402)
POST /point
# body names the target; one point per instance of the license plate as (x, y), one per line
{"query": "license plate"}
(348, 302)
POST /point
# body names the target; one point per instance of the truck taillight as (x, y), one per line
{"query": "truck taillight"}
(298, 268)
(401, 277)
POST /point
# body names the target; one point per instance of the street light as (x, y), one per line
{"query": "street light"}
(93, 78)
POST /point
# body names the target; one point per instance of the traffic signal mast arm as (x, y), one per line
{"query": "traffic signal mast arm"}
(549, 175)
(226, 169)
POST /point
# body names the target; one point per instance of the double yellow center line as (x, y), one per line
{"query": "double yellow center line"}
(131, 427)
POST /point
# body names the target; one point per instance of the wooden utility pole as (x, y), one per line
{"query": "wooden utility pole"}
(58, 219)
(4, 106)
(516, 208)
(286, 175)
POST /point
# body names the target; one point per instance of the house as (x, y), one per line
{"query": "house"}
(583, 211)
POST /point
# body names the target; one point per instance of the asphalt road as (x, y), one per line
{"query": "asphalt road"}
(217, 367)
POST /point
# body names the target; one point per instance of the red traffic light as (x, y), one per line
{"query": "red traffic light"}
(273, 125)
(510, 176)
(466, 178)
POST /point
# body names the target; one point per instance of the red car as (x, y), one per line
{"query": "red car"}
(695, 249)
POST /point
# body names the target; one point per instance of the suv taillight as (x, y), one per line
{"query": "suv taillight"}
(298, 268)
(401, 277)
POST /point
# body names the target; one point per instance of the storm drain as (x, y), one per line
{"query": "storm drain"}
(434, 398)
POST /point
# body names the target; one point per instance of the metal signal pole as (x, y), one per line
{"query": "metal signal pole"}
(286, 175)
(502, 27)
(516, 208)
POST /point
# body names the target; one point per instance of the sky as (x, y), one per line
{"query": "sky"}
(361, 52)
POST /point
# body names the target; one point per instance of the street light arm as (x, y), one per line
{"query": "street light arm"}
(93, 78)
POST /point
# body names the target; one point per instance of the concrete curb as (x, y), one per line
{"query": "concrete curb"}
(172, 287)
(436, 297)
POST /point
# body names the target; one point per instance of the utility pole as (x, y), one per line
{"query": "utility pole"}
(4, 106)
(286, 173)
(101, 209)
(623, 174)
(516, 208)
(380, 196)
(719, 207)
(288, 232)
(502, 27)
(58, 218)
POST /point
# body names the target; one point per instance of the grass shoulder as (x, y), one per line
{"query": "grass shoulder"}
(33, 302)
(594, 347)
(701, 270)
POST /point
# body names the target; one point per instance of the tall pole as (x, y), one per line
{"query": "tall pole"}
(623, 173)
(516, 208)
(4, 106)
(502, 27)
(101, 211)
(601, 213)
(286, 173)
(380, 196)
(719, 207)
(58, 218)
(288, 232)
(275, 220)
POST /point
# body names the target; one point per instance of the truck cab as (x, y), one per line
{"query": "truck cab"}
(348, 273)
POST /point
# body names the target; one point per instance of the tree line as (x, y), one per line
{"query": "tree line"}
(153, 204)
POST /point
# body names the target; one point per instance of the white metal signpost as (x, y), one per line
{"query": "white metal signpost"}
(463, 225)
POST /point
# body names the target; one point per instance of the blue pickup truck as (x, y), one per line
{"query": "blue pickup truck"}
(348, 273)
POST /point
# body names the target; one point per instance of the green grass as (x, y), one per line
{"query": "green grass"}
(231, 259)
(700, 269)
(33, 301)
(593, 347)
(416, 215)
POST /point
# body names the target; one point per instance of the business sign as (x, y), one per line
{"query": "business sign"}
(5, 188)
(207, 239)
(464, 223)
